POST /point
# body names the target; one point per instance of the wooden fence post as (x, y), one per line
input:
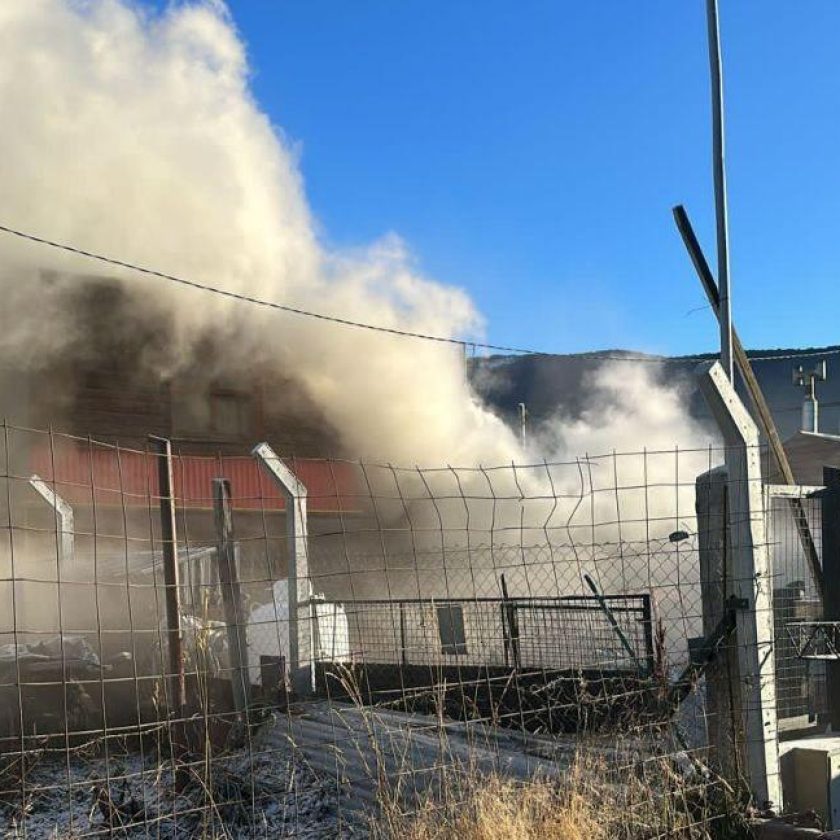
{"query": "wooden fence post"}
(724, 714)
(169, 544)
(231, 597)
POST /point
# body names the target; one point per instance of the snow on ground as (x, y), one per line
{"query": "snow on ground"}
(239, 797)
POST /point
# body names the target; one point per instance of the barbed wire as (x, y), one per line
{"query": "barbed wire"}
(348, 322)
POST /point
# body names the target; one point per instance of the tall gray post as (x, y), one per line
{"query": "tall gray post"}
(719, 174)
(750, 581)
(301, 628)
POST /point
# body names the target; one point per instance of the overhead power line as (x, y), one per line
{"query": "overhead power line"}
(347, 322)
(294, 310)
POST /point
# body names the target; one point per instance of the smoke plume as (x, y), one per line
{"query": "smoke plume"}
(135, 134)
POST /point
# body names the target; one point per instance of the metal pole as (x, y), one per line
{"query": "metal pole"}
(719, 171)
(762, 410)
(513, 625)
(169, 542)
(466, 362)
(605, 608)
(403, 652)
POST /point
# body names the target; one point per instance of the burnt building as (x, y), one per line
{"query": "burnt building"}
(80, 420)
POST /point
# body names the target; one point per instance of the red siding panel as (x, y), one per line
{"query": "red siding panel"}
(113, 476)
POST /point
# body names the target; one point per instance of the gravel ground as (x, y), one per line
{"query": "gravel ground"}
(267, 795)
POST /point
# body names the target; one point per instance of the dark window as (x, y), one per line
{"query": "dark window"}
(230, 414)
(453, 639)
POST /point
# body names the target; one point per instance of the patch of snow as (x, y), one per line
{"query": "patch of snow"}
(238, 797)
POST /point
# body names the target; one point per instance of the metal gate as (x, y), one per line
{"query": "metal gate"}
(794, 530)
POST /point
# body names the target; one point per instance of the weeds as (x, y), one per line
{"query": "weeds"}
(640, 787)
(590, 801)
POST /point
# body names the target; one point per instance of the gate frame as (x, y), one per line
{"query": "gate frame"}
(798, 492)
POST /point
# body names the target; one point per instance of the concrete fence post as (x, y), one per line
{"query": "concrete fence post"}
(63, 518)
(749, 582)
(301, 651)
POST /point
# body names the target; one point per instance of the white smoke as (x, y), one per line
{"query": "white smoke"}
(135, 134)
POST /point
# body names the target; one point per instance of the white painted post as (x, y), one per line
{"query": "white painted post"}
(750, 580)
(301, 651)
(63, 518)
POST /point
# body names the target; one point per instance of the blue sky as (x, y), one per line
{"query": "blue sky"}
(531, 152)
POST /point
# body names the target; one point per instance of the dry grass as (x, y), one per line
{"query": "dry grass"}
(648, 799)
(499, 809)
(589, 802)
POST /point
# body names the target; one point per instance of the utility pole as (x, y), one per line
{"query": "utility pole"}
(719, 171)
(523, 422)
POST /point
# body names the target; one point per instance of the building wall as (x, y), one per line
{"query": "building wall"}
(121, 376)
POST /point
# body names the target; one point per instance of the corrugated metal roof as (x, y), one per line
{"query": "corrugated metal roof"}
(808, 453)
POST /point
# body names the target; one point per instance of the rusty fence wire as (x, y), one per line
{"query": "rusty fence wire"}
(408, 636)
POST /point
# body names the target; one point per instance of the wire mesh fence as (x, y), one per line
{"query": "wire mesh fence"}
(424, 635)
(801, 683)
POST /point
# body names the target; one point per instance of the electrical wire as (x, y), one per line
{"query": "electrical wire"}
(334, 319)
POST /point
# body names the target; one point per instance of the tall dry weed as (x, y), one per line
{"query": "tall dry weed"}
(499, 809)
(591, 801)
